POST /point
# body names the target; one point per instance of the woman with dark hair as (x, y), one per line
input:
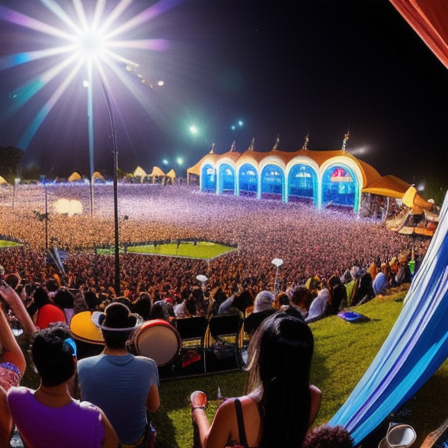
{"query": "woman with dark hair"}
(280, 404)
(47, 311)
(142, 306)
(365, 291)
(338, 295)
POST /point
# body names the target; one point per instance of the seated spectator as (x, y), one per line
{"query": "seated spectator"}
(50, 417)
(356, 273)
(382, 280)
(123, 385)
(281, 302)
(338, 296)
(300, 302)
(318, 306)
(365, 291)
(142, 306)
(403, 274)
(262, 309)
(162, 310)
(280, 355)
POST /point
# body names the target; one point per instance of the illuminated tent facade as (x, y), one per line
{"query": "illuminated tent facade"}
(321, 178)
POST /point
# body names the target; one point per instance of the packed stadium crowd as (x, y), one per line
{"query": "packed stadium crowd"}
(328, 260)
(310, 242)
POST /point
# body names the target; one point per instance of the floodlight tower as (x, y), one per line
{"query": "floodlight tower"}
(90, 46)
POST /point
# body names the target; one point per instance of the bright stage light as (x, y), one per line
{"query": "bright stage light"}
(193, 129)
(75, 34)
(68, 207)
(180, 161)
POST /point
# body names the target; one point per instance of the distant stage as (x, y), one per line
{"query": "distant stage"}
(204, 250)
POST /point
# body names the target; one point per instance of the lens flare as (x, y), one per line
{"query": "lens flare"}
(73, 37)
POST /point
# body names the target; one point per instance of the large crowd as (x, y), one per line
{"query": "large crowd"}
(310, 242)
(315, 261)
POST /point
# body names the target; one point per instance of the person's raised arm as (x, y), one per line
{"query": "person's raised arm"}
(18, 308)
(11, 350)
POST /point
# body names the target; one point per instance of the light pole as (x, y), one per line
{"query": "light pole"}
(116, 226)
(277, 262)
(88, 85)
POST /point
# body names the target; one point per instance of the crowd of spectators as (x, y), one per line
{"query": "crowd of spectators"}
(330, 259)
(310, 242)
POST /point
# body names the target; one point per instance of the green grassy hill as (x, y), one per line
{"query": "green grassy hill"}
(343, 352)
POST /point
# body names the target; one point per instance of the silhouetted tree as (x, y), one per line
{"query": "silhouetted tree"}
(10, 157)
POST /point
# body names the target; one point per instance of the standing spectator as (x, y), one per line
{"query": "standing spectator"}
(123, 385)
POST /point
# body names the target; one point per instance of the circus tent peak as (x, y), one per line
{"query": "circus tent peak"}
(139, 172)
(74, 177)
(156, 171)
(98, 176)
(171, 174)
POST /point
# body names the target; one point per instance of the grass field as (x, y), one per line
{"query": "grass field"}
(343, 352)
(6, 243)
(204, 250)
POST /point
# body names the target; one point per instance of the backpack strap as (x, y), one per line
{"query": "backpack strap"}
(239, 417)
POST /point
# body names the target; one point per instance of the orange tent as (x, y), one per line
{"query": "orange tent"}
(429, 20)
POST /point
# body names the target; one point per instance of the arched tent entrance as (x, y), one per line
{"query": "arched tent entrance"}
(302, 184)
(226, 176)
(272, 182)
(247, 180)
(340, 187)
(208, 178)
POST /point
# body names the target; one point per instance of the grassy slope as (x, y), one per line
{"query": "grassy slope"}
(343, 352)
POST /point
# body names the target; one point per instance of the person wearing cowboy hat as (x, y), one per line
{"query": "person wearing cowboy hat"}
(124, 386)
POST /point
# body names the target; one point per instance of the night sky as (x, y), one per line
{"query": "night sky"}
(284, 68)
